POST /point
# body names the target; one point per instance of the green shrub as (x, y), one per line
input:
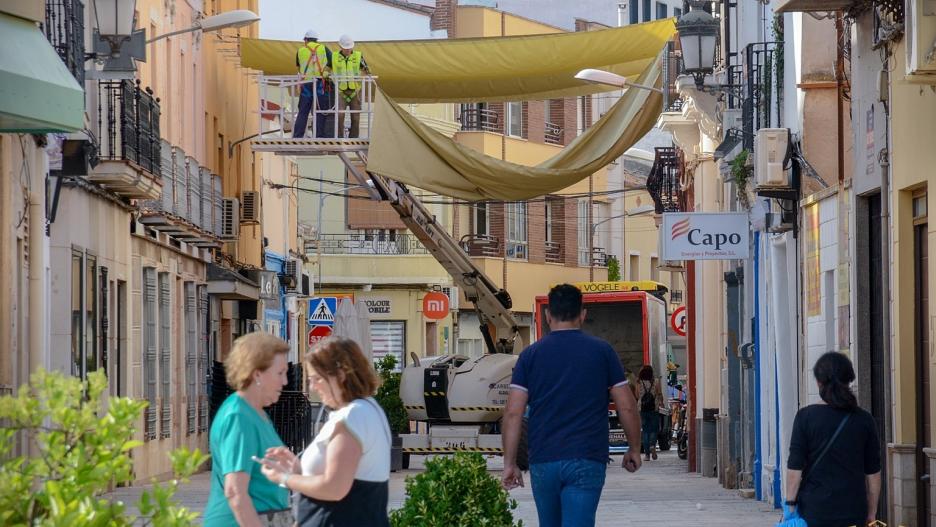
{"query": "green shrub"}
(77, 450)
(388, 395)
(455, 491)
(614, 268)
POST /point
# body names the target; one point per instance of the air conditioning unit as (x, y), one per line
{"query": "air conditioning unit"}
(778, 220)
(250, 207)
(453, 295)
(770, 154)
(920, 37)
(292, 277)
(230, 219)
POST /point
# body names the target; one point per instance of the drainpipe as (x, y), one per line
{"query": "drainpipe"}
(38, 270)
(884, 160)
(758, 492)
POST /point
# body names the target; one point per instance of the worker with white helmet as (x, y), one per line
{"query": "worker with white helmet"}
(348, 65)
(314, 62)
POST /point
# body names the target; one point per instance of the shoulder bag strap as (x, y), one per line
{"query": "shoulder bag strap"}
(825, 449)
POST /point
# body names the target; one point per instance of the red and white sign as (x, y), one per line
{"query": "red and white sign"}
(435, 305)
(318, 334)
(705, 236)
(679, 321)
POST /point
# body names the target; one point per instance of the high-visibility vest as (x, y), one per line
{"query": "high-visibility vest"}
(312, 61)
(349, 66)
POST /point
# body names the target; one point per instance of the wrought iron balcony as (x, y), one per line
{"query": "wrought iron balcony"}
(672, 69)
(64, 27)
(481, 245)
(762, 89)
(479, 120)
(664, 182)
(553, 252)
(128, 132)
(553, 134)
(393, 244)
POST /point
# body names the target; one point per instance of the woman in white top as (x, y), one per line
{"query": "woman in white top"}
(342, 477)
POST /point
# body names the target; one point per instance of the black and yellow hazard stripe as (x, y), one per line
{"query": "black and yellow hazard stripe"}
(446, 450)
(434, 394)
(476, 408)
(414, 407)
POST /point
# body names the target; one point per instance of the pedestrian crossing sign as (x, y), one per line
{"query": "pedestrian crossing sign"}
(322, 311)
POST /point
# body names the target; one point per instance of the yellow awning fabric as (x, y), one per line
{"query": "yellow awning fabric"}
(405, 149)
(531, 67)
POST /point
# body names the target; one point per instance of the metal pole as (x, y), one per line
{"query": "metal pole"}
(318, 229)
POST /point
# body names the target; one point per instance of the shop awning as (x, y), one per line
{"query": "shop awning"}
(37, 92)
(407, 150)
(530, 67)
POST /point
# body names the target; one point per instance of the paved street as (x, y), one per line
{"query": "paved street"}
(661, 493)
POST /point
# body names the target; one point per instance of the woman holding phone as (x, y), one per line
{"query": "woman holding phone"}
(241, 431)
(342, 477)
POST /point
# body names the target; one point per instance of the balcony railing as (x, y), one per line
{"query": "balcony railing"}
(664, 182)
(64, 27)
(388, 245)
(481, 245)
(553, 252)
(672, 69)
(763, 88)
(280, 96)
(553, 134)
(479, 120)
(128, 124)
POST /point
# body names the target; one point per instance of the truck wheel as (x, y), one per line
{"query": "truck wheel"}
(406, 461)
(523, 458)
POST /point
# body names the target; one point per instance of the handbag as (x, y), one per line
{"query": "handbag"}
(791, 517)
(280, 518)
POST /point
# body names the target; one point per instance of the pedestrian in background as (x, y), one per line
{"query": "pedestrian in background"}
(834, 466)
(348, 66)
(565, 378)
(314, 62)
(240, 494)
(342, 477)
(652, 406)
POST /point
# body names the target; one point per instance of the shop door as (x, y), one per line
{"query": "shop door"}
(879, 364)
(921, 338)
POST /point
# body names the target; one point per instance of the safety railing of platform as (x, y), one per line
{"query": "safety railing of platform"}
(328, 113)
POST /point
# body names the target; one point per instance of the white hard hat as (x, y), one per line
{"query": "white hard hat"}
(346, 42)
(311, 34)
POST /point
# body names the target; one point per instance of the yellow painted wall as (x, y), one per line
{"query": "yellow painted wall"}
(526, 281)
(912, 160)
(476, 21)
(386, 269)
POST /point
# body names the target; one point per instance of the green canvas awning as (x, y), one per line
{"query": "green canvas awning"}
(37, 92)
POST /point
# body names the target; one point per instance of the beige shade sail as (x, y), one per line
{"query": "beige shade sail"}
(405, 149)
(533, 67)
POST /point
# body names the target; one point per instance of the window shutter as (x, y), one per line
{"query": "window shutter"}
(201, 370)
(149, 350)
(165, 353)
(191, 351)
(388, 337)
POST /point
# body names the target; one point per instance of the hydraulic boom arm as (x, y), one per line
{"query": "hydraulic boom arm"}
(493, 304)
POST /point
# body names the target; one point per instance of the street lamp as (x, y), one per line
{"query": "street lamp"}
(610, 79)
(228, 19)
(698, 35)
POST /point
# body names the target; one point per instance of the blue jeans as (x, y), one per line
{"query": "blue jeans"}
(649, 430)
(322, 120)
(567, 492)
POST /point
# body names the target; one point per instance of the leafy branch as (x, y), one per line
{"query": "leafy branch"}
(741, 172)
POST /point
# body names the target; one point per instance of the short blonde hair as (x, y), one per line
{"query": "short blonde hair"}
(251, 352)
(336, 356)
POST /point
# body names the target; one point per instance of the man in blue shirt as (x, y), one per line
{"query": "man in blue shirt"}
(565, 378)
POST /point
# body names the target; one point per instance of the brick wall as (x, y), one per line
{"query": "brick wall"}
(566, 219)
(525, 120)
(536, 231)
(569, 120)
(444, 16)
(369, 214)
(498, 108)
(535, 121)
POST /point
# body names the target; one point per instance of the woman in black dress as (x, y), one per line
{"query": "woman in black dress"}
(841, 487)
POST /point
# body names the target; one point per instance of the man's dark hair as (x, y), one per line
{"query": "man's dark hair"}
(565, 302)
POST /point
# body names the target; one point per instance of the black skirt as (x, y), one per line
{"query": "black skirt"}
(364, 506)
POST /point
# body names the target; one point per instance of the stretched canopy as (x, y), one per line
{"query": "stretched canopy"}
(405, 149)
(531, 67)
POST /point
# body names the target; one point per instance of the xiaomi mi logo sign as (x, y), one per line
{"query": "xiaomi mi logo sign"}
(435, 305)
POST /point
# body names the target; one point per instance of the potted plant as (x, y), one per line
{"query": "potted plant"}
(388, 396)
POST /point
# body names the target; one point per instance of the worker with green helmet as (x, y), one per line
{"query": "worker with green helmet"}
(314, 62)
(348, 65)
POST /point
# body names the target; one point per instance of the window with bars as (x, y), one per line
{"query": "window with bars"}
(584, 232)
(165, 354)
(191, 355)
(203, 357)
(517, 230)
(149, 351)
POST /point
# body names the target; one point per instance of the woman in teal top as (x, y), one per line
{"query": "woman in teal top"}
(240, 494)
